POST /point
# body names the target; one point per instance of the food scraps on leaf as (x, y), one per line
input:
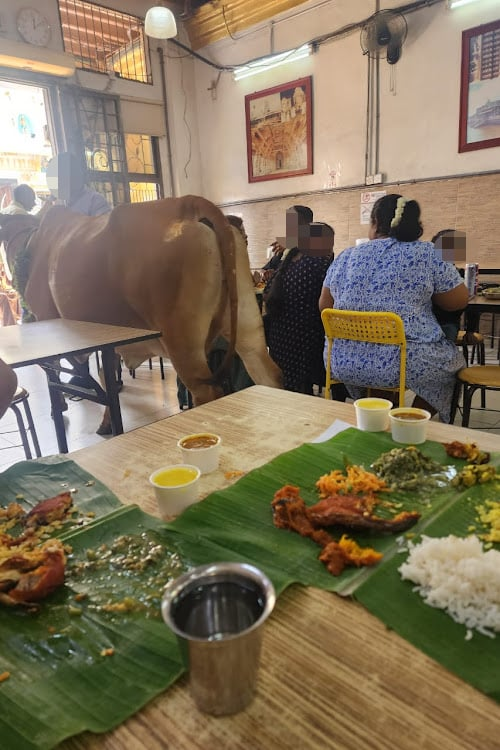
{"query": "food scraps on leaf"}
(32, 574)
(489, 516)
(469, 451)
(475, 474)
(32, 565)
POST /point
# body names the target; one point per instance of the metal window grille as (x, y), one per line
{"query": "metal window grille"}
(125, 167)
(104, 40)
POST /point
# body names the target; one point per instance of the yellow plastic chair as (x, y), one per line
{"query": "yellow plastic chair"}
(374, 327)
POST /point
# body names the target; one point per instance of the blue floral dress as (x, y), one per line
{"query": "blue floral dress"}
(401, 277)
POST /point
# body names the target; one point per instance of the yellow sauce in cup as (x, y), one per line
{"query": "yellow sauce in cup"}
(175, 476)
(373, 403)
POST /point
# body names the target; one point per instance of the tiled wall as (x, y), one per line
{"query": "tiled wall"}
(470, 204)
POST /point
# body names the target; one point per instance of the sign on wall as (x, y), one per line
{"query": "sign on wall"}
(366, 202)
(279, 131)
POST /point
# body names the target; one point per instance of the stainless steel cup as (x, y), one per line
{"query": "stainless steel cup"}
(217, 612)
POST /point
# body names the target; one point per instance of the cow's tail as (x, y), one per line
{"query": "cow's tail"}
(195, 207)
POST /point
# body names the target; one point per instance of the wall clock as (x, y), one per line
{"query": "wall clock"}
(33, 27)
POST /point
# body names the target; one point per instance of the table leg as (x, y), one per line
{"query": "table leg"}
(56, 404)
(108, 366)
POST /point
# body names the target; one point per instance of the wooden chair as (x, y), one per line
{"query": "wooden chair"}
(20, 399)
(469, 380)
(474, 340)
(374, 327)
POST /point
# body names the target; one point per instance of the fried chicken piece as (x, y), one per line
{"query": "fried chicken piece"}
(32, 575)
(47, 511)
(290, 512)
(354, 512)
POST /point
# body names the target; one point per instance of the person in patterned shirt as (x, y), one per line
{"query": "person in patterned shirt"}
(396, 272)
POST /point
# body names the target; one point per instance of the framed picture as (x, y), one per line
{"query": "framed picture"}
(480, 89)
(279, 131)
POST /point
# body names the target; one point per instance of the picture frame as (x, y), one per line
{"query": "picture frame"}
(480, 88)
(279, 131)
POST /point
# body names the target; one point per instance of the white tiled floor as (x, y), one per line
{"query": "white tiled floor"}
(143, 400)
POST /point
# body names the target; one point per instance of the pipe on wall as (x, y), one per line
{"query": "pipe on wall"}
(161, 57)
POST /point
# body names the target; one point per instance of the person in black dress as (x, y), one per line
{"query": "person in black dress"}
(295, 334)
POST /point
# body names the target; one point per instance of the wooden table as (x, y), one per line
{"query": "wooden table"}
(476, 306)
(45, 342)
(332, 676)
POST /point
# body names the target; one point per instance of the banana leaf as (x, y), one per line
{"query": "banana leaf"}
(78, 666)
(28, 482)
(82, 663)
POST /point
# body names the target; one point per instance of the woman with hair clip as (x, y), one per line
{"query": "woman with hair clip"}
(396, 272)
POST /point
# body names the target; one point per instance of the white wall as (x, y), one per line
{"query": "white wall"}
(418, 121)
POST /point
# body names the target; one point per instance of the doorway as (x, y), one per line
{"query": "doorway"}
(26, 145)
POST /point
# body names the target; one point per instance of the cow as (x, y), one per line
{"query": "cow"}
(154, 265)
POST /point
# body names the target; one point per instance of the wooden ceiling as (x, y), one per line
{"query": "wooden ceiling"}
(207, 22)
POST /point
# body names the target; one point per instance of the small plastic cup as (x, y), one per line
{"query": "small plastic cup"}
(409, 424)
(201, 449)
(372, 414)
(176, 488)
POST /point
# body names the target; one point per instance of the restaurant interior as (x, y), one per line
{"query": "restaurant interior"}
(254, 106)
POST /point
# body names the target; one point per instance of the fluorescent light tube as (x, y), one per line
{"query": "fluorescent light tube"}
(271, 61)
(458, 3)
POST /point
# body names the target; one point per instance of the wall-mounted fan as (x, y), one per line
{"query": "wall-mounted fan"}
(383, 35)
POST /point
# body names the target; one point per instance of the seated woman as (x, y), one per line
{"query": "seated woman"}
(294, 331)
(397, 273)
(449, 243)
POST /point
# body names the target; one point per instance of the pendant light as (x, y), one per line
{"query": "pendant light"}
(160, 23)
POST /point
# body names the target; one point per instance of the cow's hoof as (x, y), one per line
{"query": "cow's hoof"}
(104, 429)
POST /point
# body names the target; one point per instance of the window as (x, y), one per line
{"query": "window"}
(122, 166)
(104, 40)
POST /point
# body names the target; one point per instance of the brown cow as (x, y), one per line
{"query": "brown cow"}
(147, 265)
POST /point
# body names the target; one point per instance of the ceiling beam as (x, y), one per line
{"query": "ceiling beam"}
(221, 18)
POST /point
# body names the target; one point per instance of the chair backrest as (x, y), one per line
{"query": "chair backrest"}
(374, 327)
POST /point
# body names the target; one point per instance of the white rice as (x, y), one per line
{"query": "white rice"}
(456, 575)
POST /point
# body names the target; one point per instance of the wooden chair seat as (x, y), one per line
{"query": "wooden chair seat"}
(470, 379)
